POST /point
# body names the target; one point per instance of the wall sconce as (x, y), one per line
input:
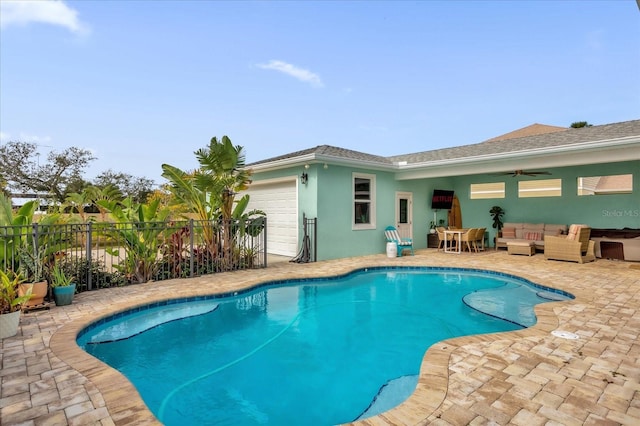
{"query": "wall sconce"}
(304, 177)
(326, 166)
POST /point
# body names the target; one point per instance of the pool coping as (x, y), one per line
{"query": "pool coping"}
(126, 407)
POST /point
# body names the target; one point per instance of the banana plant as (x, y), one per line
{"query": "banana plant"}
(210, 191)
(24, 245)
(13, 227)
(247, 223)
(226, 164)
(140, 229)
(200, 194)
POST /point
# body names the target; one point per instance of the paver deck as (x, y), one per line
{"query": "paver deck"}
(528, 377)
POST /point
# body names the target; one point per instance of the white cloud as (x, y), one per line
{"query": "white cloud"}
(38, 140)
(295, 72)
(54, 12)
(26, 137)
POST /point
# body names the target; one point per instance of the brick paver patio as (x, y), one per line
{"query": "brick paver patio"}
(528, 377)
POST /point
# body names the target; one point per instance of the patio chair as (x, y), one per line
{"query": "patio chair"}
(440, 230)
(573, 247)
(468, 239)
(392, 236)
(479, 240)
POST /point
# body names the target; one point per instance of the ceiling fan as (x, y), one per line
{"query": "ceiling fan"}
(523, 173)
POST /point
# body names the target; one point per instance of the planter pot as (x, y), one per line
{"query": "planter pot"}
(432, 231)
(64, 295)
(9, 324)
(38, 293)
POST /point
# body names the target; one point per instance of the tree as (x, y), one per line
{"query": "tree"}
(579, 124)
(210, 190)
(226, 163)
(3, 188)
(138, 188)
(76, 185)
(21, 169)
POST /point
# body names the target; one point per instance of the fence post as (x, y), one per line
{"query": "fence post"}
(315, 239)
(88, 248)
(192, 259)
(36, 248)
(264, 242)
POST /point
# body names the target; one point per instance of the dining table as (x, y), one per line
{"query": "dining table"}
(448, 242)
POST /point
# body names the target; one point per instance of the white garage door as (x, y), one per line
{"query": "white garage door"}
(278, 199)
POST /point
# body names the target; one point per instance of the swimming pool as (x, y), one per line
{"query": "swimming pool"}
(319, 351)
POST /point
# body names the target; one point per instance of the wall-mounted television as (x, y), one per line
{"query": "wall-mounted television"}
(442, 199)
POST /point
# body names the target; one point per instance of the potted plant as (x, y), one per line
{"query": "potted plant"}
(10, 302)
(496, 215)
(62, 285)
(432, 227)
(33, 269)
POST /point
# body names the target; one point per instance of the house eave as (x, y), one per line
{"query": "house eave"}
(592, 152)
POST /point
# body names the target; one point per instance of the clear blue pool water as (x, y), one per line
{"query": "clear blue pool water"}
(313, 352)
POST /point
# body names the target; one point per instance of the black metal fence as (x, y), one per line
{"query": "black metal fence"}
(101, 255)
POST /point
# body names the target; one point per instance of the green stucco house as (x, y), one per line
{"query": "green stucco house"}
(588, 175)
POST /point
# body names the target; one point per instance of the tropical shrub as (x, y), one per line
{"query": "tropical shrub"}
(209, 192)
(85, 270)
(10, 300)
(139, 229)
(27, 246)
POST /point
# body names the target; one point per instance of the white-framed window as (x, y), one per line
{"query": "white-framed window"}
(601, 185)
(540, 188)
(480, 191)
(364, 201)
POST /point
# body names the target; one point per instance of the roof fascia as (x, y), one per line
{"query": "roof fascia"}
(282, 163)
(592, 152)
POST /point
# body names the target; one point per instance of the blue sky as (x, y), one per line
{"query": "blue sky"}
(142, 83)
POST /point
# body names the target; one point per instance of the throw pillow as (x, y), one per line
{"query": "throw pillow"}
(533, 236)
(508, 232)
(573, 231)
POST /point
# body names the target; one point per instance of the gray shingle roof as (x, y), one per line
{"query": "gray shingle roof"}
(330, 151)
(565, 137)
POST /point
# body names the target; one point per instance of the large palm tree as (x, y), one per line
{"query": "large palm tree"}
(210, 190)
(225, 163)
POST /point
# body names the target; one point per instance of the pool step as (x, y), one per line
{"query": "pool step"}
(392, 393)
(142, 321)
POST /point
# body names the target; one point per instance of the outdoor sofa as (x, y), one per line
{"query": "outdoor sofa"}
(526, 232)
